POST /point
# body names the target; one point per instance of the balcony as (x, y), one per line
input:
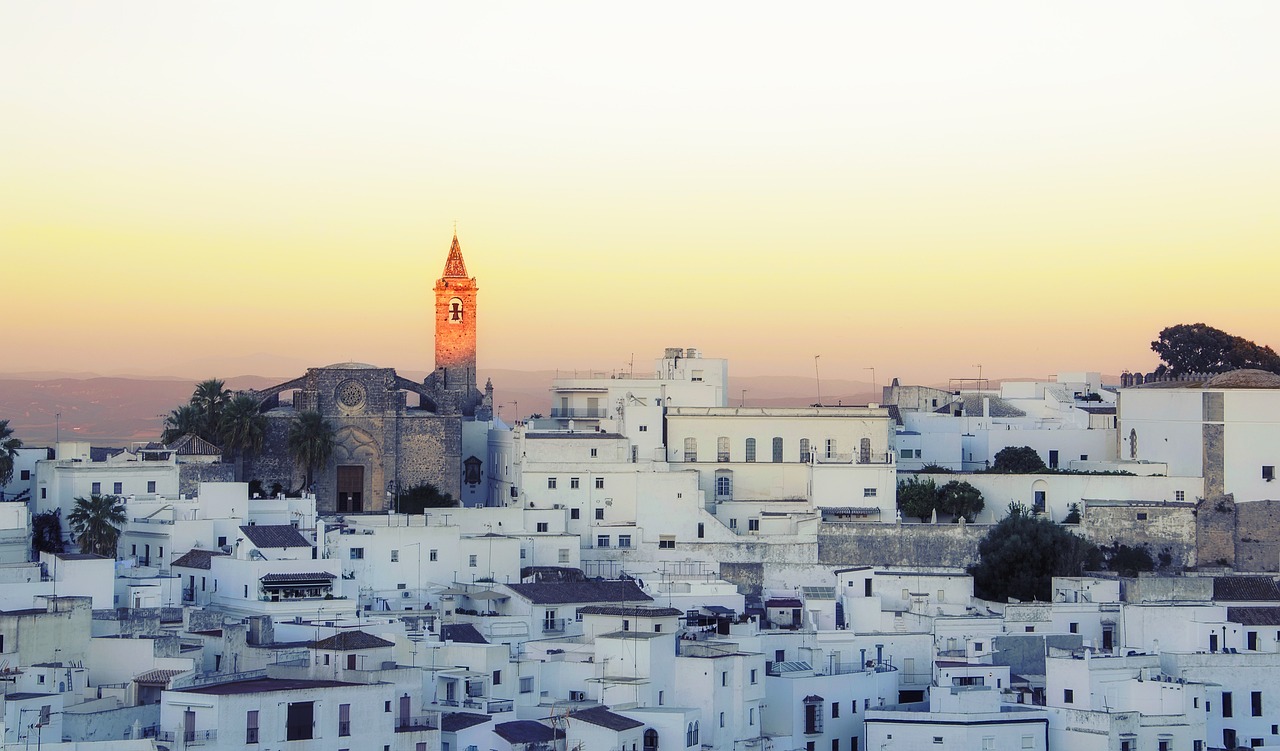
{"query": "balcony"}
(188, 737)
(414, 724)
(553, 625)
(579, 413)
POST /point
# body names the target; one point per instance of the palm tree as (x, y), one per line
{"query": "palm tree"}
(242, 428)
(311, 442)
(8, 452)
(96, 522)
(210, 397)
(183, 420)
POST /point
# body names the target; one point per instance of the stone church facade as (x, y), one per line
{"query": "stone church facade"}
(390, 433)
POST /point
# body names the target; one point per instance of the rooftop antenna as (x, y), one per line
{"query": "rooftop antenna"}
(817, 379)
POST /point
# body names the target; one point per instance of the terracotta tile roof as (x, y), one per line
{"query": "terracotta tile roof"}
(564, 593)
(1243, 588)
(604, 718)
(452, 722)
(158, 677)
(345, 641)
(526, 731)
(1260, 616)
(274, 536)
(196, 558)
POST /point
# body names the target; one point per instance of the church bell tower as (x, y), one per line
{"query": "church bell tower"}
(455, 371)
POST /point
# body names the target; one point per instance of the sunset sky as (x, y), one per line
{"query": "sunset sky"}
(917, 188)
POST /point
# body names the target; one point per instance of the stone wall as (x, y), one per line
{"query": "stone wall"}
(190, 475)
(1216, 531)
(1168, 530)
(1257, 536)
(930, 545)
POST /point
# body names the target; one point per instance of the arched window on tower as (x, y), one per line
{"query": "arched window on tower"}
(456, 312)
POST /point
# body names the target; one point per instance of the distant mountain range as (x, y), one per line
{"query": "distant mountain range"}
(118, 410)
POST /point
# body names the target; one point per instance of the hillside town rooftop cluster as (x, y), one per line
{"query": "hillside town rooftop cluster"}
(649, 566)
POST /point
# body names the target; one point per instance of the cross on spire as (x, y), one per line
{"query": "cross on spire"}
(455, 267)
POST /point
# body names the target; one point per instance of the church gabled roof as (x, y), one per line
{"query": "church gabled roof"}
(454, 266)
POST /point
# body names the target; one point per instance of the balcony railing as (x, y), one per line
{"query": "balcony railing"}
(189, 737)
(406, 724)
(553, 625)
(495, 706)
(579, 413)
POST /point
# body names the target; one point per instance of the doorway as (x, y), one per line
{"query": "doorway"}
(350, 489)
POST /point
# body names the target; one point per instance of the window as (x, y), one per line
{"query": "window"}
(344, 719)
(722, 719)
(1268, 472)
(357, 554)
(777, 450)
(151, 484)
(434, 555)
(660, 698)
(497, 677)
(543, 526)
(575, 513)
(471, 560)
(1226, 704)
(835, 710)
(937, 739)
(753, 676)
(831, 448)
(117, 488)
(563, 556)
(1030, 629)
(44, 493)
(1255, 701)
(724, 677)
(573, 483)
(395, 556)
(724, 485)
(869, 492)
(624, 541)
(804, 449)
(299, 719)
(526, 684)
(251, 726)
(595, 453)
(25, 475)
(551, 483)
(812, 715)
(864, 451)
(1068, 696)
(599, 513)
(667, 542)
(1179, 495)
(753, 525)
(722, 448)
(644, 428)
(733, 524)
(700, 530)
(750, 454)
(691, 449)
(1142, 516)
(599, 483)
(602, 541)
(95, 488)
(1073, 628)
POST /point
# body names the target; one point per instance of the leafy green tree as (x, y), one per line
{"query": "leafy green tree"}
(8, 452)
(959, 498)
(241, 428)
(210, 397)
(311, 442)
(916, 498)
(424, 496)
(183, 420)
(1020, 556)
(936, 469)
(1018, 460)
(46, 533)
(1126, 560)
(1073, 514)
(96, 523)
(1198, 348)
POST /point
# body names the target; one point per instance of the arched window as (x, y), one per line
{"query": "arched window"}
(688, 735)
(650, 740)
(722, 448)
(456, 310)
(1133, 444)
(696, 733)
(724, 485)
(804, 450)
(691, 449)
(751, 450)
(864, 450)
(777, 450)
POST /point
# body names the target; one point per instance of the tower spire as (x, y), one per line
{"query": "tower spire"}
(454, 266)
